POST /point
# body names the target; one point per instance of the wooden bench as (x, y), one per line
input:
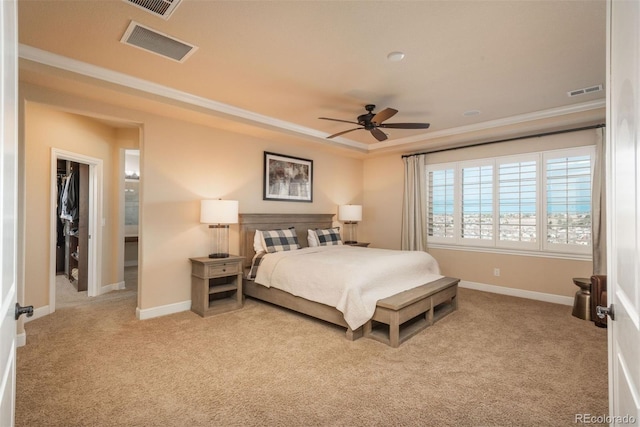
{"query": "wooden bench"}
(401, 316)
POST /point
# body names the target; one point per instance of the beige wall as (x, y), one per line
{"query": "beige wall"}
(528, 273)
(181, 163)
(48, 129)
(382, 217)
(382, 204)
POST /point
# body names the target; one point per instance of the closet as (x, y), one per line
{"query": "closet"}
(72, 245)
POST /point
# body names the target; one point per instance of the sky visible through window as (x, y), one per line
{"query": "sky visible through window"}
(568, 188)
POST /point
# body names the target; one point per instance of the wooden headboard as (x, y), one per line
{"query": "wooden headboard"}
(249, 223)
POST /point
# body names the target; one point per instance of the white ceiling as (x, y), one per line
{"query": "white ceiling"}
(279, 65)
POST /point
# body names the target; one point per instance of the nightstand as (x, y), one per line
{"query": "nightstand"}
(361, 244)
(216, 285)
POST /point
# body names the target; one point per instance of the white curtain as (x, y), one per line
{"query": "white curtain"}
(598, 206)
(414, 207)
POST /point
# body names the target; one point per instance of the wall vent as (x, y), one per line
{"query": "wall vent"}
(163, 8)
(585, 90)
(155, 42)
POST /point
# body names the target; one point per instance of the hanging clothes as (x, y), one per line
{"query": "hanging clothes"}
(69, 198)
(60, 222)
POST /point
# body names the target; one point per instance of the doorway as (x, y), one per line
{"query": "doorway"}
(129, 216)
(85, 272)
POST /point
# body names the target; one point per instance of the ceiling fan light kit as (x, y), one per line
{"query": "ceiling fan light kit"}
(373, 122)
(395, 56)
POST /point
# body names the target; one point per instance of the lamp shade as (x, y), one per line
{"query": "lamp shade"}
(350, 213)
(219, 211)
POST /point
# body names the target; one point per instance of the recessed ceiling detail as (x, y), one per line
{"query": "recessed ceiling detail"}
(584, 91)
(163, 8)
(247, 64)
(155, 42)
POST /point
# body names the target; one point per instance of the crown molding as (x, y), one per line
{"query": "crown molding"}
(225, 110)
(493, 124)
(238, 114)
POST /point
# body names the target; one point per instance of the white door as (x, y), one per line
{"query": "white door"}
(623, 286)
(8, 205)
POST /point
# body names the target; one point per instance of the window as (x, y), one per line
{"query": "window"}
(441, 205)
(568, 199)
(477, 202)
(517, 202)
(537, 202)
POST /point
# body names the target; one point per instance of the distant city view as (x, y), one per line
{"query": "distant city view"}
(562, 228)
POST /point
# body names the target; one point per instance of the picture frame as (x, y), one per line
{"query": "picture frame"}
(287, 178)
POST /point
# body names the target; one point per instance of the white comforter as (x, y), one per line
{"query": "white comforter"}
(351, 279)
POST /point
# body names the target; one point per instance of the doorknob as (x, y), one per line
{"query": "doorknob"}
(28, 310)
(602, 312)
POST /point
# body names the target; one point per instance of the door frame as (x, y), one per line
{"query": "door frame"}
(95, 222)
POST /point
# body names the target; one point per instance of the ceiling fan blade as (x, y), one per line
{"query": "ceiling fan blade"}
(405, 125)
(343, 132)
(378, 134)
(338, 120)
(383, 115)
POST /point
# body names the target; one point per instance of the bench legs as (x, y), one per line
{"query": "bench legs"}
(394, 329)
(433, 307)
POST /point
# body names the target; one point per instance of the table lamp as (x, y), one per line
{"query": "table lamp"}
(350, 215)
(219, 214)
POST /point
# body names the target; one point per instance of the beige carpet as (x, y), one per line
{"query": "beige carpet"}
(497, 361)
(67, 294)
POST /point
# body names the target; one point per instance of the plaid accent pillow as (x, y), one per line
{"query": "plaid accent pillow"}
(328, 237)
(255, 263)
(280, 240)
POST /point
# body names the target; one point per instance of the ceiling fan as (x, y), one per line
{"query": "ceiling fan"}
(372, 122)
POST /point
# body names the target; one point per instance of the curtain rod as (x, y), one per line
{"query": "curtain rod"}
(506, 140)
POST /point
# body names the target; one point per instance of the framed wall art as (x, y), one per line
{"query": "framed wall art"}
(287, 178)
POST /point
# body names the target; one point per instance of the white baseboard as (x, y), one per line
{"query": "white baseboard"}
(112, 287)
(38, 313)
(21, 339)
(150, 313)
(539, 296)
(46, 310)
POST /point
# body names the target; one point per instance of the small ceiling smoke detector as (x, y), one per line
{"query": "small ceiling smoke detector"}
(155, 42)
(584, 91)
(162, 8)
(395, 56)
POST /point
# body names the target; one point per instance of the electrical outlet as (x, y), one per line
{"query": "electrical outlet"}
(496, 271)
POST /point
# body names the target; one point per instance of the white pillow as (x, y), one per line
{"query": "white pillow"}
(258, 242)
(312, 238)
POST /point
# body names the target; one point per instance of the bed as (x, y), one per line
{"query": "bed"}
(415, 308)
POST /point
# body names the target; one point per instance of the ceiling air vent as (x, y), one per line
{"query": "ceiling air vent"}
(585, 90)
(163, 8)
(155, 42)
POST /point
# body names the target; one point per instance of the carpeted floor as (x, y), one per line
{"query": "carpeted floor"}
(497, 361)
(67, 294)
